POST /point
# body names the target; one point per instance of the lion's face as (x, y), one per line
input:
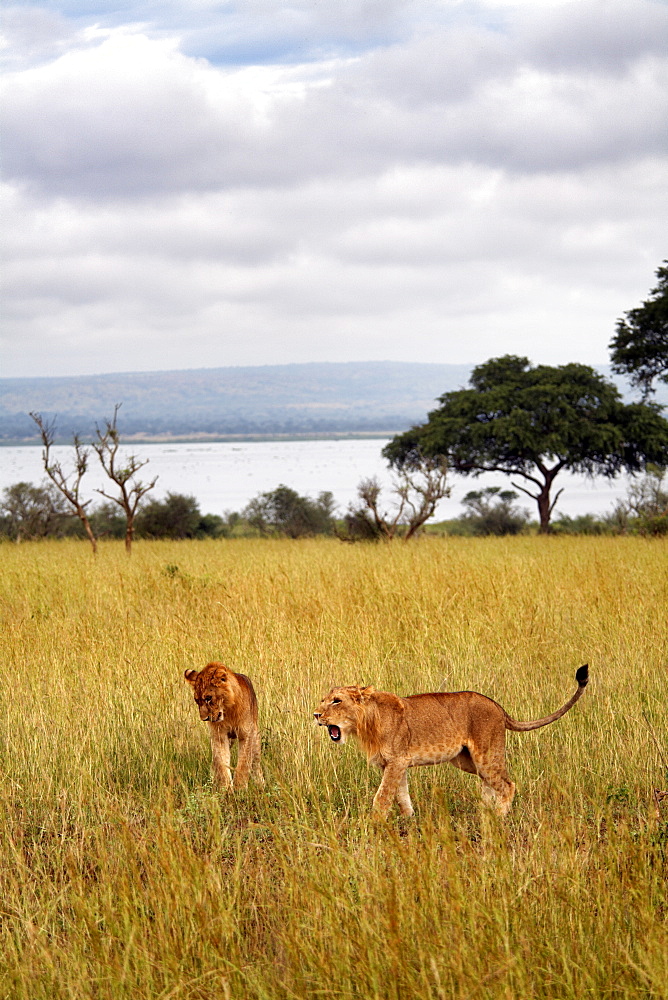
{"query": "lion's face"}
(339, 710)
(211, 690)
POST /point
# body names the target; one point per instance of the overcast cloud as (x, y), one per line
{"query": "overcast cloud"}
(210, 184)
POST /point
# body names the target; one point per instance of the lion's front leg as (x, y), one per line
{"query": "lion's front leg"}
(220, 754)
(256, 767)
(393, 776)
(244, 761)
(403, 796)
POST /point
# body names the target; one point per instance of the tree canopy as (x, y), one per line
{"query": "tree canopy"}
(532, 422)
(639, 348)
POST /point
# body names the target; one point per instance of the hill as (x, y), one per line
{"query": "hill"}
(365, 397)
(373, 397)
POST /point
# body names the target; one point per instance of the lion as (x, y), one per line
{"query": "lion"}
(227, 702)
(462, 727)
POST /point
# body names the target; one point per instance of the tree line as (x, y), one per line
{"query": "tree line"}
(29, 512)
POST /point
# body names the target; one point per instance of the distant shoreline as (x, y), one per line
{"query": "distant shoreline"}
(132, 439)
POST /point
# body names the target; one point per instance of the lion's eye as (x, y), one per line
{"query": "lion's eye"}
(208, 699)
(336, 701)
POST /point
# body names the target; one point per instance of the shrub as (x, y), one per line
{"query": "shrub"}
(108, 521)
(645, 509)
(284, 512)
(492, 511)
(30, 511)
(584, 524)
(177, 516)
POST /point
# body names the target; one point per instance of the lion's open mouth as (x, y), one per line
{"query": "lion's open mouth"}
(334, 733)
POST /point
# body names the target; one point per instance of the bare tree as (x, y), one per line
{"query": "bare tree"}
(68, 484)
(123, 474)
(417, 492)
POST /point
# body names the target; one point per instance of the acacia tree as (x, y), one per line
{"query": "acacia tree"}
(533, 423)
(417, 492)
(68, 484)
(123, 474)
(639, 348)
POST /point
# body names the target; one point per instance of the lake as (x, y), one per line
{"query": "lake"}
(224, 476)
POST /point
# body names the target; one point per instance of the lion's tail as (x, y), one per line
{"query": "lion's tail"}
(582, 677)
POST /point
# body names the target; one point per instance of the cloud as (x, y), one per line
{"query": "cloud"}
(411, 180)
(430, 263)
(589, 36)
(131, 116)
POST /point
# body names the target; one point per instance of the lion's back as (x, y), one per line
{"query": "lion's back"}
(455, 713)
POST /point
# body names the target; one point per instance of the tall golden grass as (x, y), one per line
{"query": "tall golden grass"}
(124, 875)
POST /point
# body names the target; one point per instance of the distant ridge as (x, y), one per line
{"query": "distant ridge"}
(315, 399)
(264, 400)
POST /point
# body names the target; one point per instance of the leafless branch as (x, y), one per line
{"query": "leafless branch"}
(417, 493)
(69, 484)
(131, 490)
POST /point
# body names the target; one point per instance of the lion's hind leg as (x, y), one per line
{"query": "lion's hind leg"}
(244, 761)
(464, 761)
(498, 790)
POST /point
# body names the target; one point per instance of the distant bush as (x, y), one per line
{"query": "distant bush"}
(28, 511)
(284, 512)
(493, 511)
(177, 516)
(645, 509)
(584, 524)
(107, 521)
(359, 526)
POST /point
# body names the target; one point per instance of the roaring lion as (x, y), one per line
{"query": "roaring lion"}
(461, 727)
(227, 702)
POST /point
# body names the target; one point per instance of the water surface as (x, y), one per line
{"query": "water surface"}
(224, 475)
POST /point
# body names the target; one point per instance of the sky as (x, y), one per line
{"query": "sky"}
(192, 185)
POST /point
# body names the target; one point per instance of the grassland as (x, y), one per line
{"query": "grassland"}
(124, 875)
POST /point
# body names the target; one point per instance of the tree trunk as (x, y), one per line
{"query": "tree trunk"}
(89, 531)
(81, 514)
(544, 509)
(129, 534)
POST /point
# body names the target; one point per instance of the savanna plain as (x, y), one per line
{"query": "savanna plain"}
(124, 874)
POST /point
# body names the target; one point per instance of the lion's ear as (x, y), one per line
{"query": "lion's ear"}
(366, 693)
(191, 676)
(220, 675)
